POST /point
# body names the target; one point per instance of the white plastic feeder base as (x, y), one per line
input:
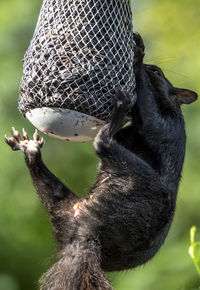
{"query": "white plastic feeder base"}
(65, 124)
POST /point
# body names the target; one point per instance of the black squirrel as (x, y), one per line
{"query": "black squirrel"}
(126, 217)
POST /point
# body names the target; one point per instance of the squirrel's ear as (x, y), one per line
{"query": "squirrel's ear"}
(183, 96)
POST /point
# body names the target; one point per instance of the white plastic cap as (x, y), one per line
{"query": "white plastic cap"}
(65, 124)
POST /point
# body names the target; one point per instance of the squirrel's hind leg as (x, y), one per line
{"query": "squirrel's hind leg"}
(50, 189)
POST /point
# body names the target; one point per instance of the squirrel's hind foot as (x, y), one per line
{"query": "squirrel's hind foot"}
(25, 145)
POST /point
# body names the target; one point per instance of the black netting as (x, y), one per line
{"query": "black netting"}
(80, 51)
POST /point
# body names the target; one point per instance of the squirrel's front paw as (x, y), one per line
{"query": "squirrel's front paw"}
(123, 101)
(26, 145)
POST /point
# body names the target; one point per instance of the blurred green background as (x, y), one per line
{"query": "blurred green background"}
(171, 30)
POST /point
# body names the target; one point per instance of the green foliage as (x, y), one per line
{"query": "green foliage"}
(194, 249)
(172, 36)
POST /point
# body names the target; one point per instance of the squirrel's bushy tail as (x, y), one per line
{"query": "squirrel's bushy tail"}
(78, 269)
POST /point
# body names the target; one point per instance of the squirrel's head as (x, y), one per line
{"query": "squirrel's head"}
(156, 80)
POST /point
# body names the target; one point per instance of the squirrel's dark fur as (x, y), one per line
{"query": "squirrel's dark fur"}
(126, 217)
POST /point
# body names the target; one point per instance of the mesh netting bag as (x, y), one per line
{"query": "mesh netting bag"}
(81, 50)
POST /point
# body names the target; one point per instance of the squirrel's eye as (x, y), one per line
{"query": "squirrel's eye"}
(156, 72)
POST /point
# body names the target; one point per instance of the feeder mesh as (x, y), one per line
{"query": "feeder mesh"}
(81, 50)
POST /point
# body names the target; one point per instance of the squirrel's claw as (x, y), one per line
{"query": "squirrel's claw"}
(16, 143)
(16, 135)
(25, 134)
(12, 143)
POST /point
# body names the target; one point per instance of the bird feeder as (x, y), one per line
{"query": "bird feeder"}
(80, 52)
